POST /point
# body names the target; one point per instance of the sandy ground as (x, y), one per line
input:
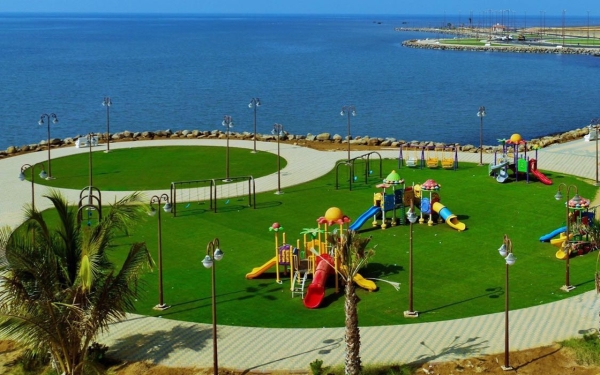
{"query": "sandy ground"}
(552, 360)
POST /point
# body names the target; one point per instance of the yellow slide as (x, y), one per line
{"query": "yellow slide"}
(558, 242)
(448, 217)
(561, 254)
(364, 283)
(260, 270)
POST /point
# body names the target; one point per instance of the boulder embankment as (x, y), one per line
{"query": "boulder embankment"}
(320, 141)
(512, 48)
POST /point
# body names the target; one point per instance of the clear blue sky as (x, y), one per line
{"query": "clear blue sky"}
(391, 7)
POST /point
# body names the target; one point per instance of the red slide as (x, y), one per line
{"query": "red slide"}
(316, 290)
(539, 175)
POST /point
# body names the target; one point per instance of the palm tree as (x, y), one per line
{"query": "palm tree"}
(353, 255)
(59, 289)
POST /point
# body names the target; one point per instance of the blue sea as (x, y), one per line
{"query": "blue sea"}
(187, 72)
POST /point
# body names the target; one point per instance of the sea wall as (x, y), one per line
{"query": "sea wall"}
(516, 48)
(305, 140)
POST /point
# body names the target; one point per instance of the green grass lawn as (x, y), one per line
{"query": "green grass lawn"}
(151, 168)
(456, 274)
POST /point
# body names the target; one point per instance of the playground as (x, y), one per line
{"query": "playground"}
(456, 273)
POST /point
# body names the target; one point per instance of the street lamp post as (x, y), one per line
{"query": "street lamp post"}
(481, 115)
(412, 218)
(213, 253)
(506, 252)
(49, 118)
(254, 103)
(348, 110)
(22, 178)
(167, 207)
(228, 124)
(90, 168)
(566, 245)
(278, 129)
(107, 103)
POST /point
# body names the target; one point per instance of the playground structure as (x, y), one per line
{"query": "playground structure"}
(518, 164)
(211, 190)
(420, 157)
(317, 257)
(577, 241)
(400, 198)
(351, 164)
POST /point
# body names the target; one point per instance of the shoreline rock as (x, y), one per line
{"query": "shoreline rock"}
(303, 140)
(520, 48)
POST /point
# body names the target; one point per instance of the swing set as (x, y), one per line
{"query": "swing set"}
(213, 189)
(366, 158)
(429, 157)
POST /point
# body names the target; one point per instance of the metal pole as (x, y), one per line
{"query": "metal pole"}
(49, 160)
(278, 166)
(506, 331)
(161, 302)
(481, 115)
(214, 323)
(90, 160)
(227, 123)
(107, 102)
(348, 137)
(32, 190)
(254, 103)
(410, 271)
(254, 129)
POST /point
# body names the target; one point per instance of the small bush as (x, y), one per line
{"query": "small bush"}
(585, 349)
(316, 367)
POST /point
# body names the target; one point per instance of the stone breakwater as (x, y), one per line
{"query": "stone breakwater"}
(322, 139)
(520, 48)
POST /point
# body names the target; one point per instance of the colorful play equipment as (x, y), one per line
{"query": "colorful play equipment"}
(425, 197)
(384, 202)
(518, 164)
(415, 157)
(577, 242)
(317, 257)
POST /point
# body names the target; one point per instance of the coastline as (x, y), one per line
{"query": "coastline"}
(520, 48)
(322, 141)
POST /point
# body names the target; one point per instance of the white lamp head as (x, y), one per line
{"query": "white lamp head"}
(168, 207)
(207, 262)
(22, 176)
(218, 255)
(510, 259)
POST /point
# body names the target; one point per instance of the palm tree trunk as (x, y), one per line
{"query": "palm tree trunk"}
(353, 365)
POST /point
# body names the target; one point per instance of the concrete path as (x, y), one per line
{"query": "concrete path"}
(182, 344)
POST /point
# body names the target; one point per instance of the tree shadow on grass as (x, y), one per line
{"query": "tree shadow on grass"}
(159, 345)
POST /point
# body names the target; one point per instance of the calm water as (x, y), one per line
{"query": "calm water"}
(187, 72)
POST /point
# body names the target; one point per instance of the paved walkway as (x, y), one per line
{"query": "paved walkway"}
(182, 344)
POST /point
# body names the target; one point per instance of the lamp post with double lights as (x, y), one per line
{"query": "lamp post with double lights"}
(348, 110)
(412, 218)
(107, 102)
(481, 115)
(278, 130)
(22, 178)
(49, 118)
(167, 207)
(595, 123)
(254, 103)
(506, 252)
(213, 253)
(566, 245)
(228, 124)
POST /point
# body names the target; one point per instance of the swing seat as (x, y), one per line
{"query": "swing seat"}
(448, 163)
(433, 163)
(411, 162)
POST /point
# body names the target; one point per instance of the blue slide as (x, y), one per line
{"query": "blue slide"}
(554, 233)
(364, 217)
